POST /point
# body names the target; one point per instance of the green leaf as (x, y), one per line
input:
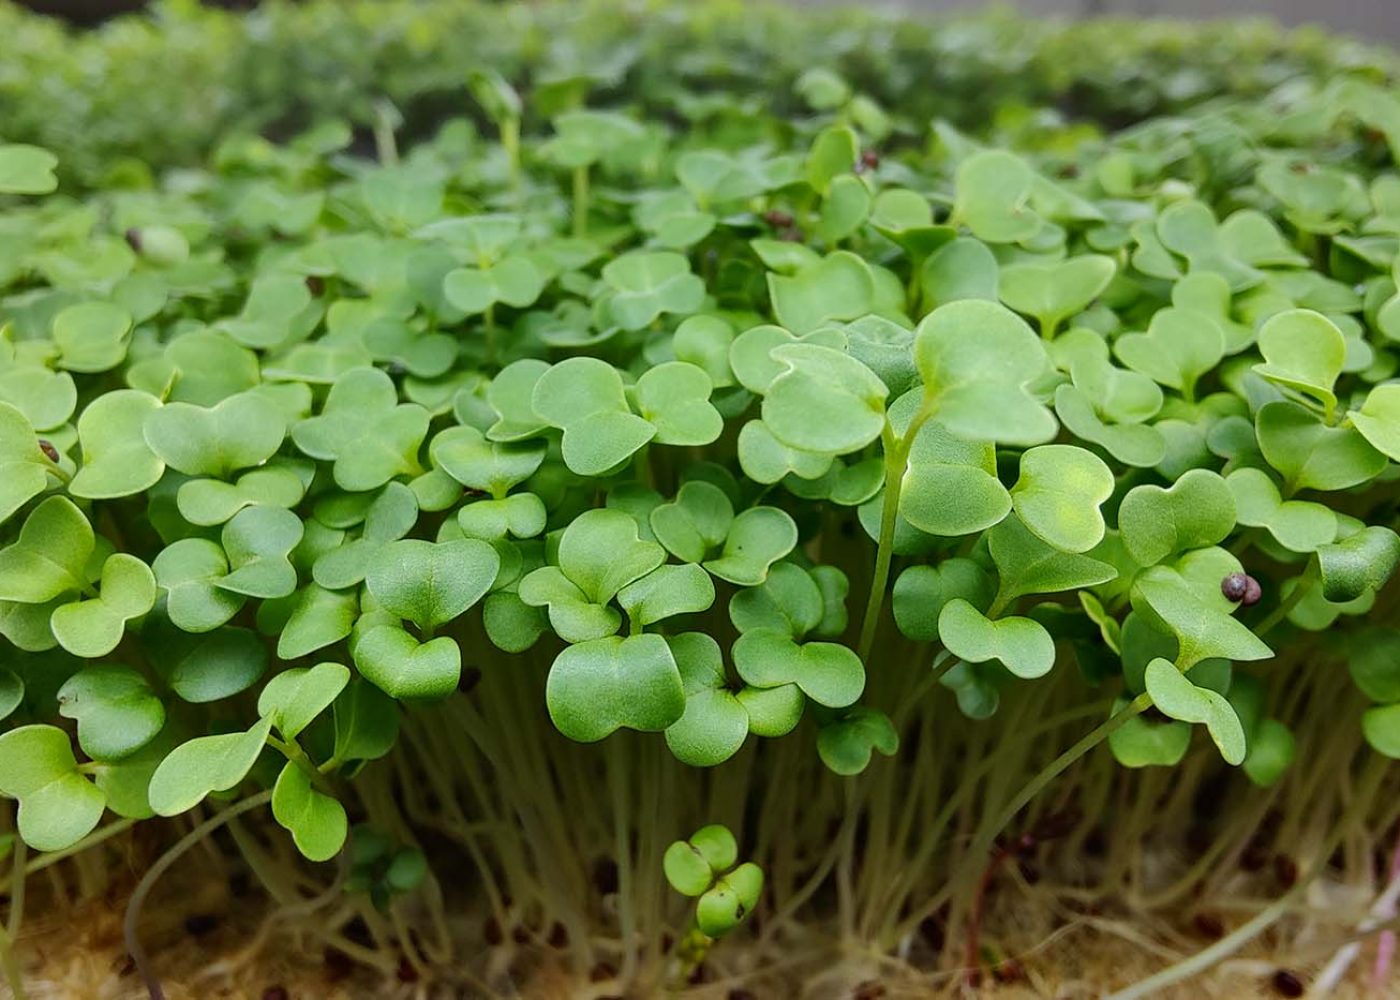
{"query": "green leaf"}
(26, 169)
(1203, 630)
(675, 399)
(585, 398)
(1303, 350)
(431, 583)
(921, 592)
(50, 556)
(667, 591)
(695, 523)
(1309, 453)
(1177, 698)
(1196, 511)
(1058, 495)
(93, 628)
(964, 268)
(317, 822)
(648, 284)
(190, 572)
(846, 744)
(293, 698)
(1020, 644)
(117, 461)
(1051, 293)
(757, 538)
(829, 673)
(1145, 742)
(1378, 420)
(599, 686)
(116, 710)
(824, 400)
(24, 469)
(92, 336)
(1028, 565)
(495, 467)
(715, 723)
(1373, 658)
(236, 433)
(219, 665)
(402, 667)
(1297, 525)
(204, 765)
(692, 865)
(1380, 726)
(1358, 564)
(366, 722)
(371, 437)
(840, 286)
(258, 542)
(1179, 346)
(977, 359)
(732, 898)
(993, 197)
(58, 806)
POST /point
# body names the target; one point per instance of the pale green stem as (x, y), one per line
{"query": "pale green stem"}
(580, 201)
(896, 461)
(1241, 936)
(130, 928)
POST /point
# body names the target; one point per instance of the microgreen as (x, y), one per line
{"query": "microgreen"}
(684, 416)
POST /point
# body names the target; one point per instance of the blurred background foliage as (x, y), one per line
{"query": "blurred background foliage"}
(138, 94)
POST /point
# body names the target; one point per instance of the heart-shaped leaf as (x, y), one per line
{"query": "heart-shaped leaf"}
(585, 398)
(1196, 511)
(1359, 563)
(431, 583)
(1177, 698)
(646, 284)
(674, 397)
(1378, 419)
(1304, 351)
(1203, 631)
(824, 400)
(371, 437)
(50, 556)
(117, 461)
(92, 336)
(1028, 565)
(24, 469)
(26, 169)
(236, 433)
(116, 710)
(847, 744)
(666, 591)
(1058, 495)
(1022, 645)
(399, 665)
(599, 686)
(258, 541)
(317, 822)
(837, 287)
(757, 538)
(715, 723)
(295, 697)
(58, 806)
(1311, 454)
(827, 672)
(1051, 293)
(993, 195)
(93, 628)
(976, 359)
(190, 572)
(733, 897)
(1297, 525)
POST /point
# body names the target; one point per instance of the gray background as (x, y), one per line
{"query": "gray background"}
(1376, 20)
